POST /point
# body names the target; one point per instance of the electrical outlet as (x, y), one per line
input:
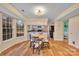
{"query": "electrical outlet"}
(73, 42)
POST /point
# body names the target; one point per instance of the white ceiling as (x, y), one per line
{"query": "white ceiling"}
(53, 9)
(74, 13)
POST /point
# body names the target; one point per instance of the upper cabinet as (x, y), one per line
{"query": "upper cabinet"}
(37, 28)
(38, 21)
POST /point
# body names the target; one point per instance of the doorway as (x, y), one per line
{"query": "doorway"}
(66, 31)
(51, 31)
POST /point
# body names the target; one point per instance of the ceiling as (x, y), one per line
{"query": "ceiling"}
(52, 9)
(72, 14)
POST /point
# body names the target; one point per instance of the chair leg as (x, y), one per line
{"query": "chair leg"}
(30, 44)
(38, 50)
(48, 46)
(33, 48)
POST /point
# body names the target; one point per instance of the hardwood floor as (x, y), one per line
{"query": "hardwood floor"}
(57, 48)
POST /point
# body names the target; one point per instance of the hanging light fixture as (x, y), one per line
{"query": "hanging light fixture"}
(39, 11)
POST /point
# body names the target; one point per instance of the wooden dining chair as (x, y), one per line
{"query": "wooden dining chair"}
(37, 46)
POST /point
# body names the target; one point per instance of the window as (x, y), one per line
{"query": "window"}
(20, 28)
(7, 28)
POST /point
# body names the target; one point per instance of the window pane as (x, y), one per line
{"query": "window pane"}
(4, 37)
(20, 29)
(7, 28)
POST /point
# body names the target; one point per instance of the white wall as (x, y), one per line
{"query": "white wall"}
(59, 30)
(74, 31)
(0, 28)
(38, 21)
(25, 29)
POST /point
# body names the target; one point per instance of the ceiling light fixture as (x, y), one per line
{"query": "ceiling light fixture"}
(39, 11)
